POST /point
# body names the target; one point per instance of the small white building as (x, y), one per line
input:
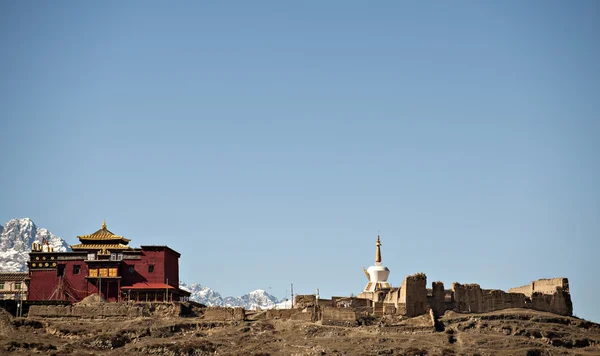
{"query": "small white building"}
(13, 286)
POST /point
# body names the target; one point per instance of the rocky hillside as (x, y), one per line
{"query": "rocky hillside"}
(509, 332)
(16, 238)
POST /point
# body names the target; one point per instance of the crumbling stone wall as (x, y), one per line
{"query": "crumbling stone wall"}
(133, 310)
(285, 313)
(389, 309)
(544, 286)
(471, 298)
(437, 300)
(393, 296)
(325, 303)
(102, 310)
(468, 297)
(526, 289)
(413, 294)
(302, 301)
(338, 316)
(350, 302)
(306, 315)
(224, 314)
(558, 303)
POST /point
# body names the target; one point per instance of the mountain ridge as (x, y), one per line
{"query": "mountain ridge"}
(16, 238)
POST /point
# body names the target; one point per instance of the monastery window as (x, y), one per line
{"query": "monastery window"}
(113, 256)
(76, 269)
(91, 256)
(93, 272)
(112, 272)
(150, 268)
(103, 272)
(1, 285)
(18, 286)
(120, 256)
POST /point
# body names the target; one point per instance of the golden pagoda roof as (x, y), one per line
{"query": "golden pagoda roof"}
(100, 247)
(103, 235)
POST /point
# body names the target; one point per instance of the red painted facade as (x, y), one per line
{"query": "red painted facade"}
(115, 271)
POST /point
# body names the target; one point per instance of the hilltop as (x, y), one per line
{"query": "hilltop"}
(507, 332)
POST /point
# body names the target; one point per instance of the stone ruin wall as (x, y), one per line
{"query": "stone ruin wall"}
(339, 316)
(471, 298)
(544, 286)
(103, 310)
(526, 289)
(437, 300)
(221, 314)
(302, 301)
(412, 299)
(135, 310)
(413, 295)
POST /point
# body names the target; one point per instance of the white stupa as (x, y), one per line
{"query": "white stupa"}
(377, 274)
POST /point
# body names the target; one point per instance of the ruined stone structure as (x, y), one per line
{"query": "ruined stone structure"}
(378, 299)
(543, 286)
(413, 298)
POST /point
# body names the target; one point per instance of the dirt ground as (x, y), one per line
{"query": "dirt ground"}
(508, 332)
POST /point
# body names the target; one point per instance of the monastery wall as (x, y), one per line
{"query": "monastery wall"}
(471, 298)
(413, 294)
(545, 286)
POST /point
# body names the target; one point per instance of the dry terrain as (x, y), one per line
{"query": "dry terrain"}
(507, 332)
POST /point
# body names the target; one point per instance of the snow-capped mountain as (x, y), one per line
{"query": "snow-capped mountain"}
(202, 294)
(258, 299)
(15, 243)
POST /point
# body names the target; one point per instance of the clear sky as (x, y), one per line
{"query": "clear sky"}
(269, 142)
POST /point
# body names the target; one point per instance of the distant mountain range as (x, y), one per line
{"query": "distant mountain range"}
(257, 299)
(17, 236)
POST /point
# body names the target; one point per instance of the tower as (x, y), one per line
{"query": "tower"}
(377, 274)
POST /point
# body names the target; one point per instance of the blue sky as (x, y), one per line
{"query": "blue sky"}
(268, 142)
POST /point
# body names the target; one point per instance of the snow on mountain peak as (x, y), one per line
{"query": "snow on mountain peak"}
(257, 299)
(16, 238)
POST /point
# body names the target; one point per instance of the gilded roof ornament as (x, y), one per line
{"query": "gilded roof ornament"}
(367, 274)
(104, 224)
(378, 251)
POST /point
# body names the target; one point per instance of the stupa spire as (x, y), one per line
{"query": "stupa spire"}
(378, 251)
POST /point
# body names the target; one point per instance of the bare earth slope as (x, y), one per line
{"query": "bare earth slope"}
(509, 332)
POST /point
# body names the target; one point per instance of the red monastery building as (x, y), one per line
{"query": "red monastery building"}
(105, 264)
